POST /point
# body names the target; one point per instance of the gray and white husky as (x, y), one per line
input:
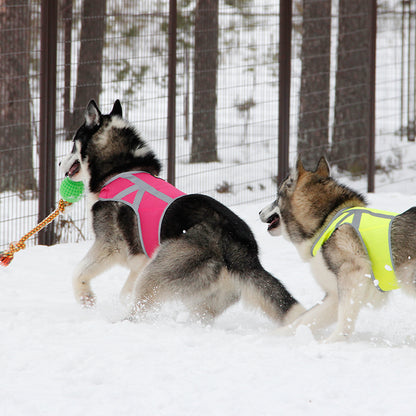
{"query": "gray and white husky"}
(206, 256)
(345, 262)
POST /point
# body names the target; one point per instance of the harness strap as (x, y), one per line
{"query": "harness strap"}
(148, 196)
(373, 227)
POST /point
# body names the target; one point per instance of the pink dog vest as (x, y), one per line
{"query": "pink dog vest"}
(148, 196)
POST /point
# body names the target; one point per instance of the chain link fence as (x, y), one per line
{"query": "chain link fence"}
(108, 49)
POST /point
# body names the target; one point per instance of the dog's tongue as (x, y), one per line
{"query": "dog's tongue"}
(274, 223)
(74, 169)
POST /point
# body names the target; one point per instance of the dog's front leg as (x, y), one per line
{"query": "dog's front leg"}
(96, 261)
(136, 265)
(355, 289)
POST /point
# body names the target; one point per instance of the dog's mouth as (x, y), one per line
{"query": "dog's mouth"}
(273, 221)
(74, 169)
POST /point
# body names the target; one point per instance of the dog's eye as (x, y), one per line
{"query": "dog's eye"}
(284, 180)
(286, 185)
(289, 182)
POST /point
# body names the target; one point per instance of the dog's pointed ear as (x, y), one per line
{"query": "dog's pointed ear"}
(117, 110)
(299, 167)
(92, 114)
(322, 168)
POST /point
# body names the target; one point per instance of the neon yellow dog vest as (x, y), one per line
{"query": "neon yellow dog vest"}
(373, 226)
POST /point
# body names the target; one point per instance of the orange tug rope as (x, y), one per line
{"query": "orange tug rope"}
(7, 256)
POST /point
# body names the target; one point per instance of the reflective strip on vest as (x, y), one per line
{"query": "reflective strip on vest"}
(148, 196)
(374, 229)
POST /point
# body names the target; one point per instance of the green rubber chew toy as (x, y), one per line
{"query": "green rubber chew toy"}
(71, 191)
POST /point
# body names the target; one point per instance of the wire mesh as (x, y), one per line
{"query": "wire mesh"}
(19, 95)
(109, 49)
(395, 116)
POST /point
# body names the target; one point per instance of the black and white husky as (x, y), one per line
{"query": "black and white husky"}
(205, 255)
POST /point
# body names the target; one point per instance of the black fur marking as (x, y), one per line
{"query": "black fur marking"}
(115, 222)
(83, 135)
(190, 210)
(105, 215)
(117, 110)
(124, 141)
(204, 218)
(122, 163)
(127, 221)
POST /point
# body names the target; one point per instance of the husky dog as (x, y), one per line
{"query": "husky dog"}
(307, 203)
(201, 252)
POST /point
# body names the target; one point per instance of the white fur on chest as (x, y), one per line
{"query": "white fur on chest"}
(90, 200)
(323, 276)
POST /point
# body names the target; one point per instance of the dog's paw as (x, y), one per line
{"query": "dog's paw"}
(336, 337)
(126, 298)
(87, 300)
(284, 331)
(130, 316)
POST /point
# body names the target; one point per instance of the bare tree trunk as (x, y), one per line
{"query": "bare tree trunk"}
(314, 90)
(351, 123)
(67, 22)
(16, 146)
(204, 137)
(186, 95)
(90, 61)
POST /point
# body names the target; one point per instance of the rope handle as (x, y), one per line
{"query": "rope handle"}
(7, 256)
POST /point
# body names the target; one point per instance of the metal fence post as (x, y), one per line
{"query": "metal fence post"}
(47, 183)
(372, 97)
(285, 44)
(171, 122)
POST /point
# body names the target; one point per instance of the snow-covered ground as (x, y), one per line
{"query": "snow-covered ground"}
(58, 359)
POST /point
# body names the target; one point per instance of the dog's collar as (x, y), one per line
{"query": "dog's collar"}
(373, 227)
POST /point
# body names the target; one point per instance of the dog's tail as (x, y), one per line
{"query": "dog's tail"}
(261, 289)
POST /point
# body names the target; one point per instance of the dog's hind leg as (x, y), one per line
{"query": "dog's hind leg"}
(221, 295)
(214, 305)
(96, 261)
(136, 264)
(183, 270)
(149, 289)
(154, 284)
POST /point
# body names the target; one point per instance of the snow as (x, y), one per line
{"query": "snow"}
(59, 359)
